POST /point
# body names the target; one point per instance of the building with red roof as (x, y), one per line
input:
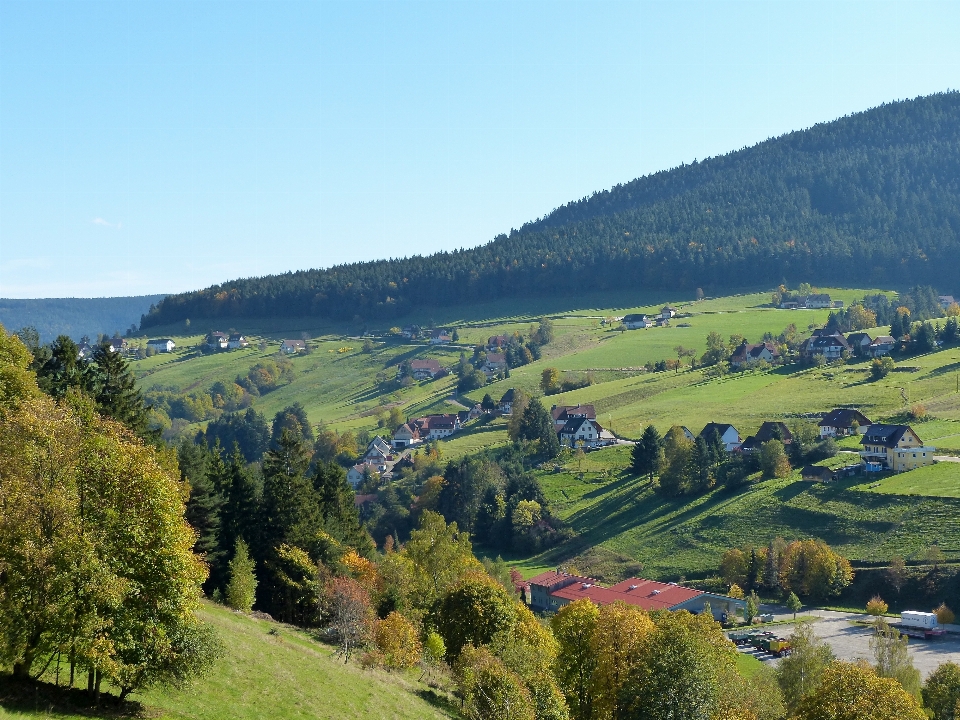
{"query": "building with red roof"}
(550, 591)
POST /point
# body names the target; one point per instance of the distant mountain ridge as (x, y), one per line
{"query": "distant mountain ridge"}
(870, 199)
(75, 317)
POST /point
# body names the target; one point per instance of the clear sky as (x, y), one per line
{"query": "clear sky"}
(160, 147)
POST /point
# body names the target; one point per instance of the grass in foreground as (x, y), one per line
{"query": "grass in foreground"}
(274, 671)
(939, 480)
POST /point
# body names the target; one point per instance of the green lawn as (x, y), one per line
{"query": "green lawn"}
(281, 675)
(939, 480)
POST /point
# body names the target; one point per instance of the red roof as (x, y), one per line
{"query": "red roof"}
(645, 594)
(550, 579)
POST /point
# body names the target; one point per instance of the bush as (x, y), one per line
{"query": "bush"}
(881, 367)
(944, 614)
(876, 606)
(396, 642)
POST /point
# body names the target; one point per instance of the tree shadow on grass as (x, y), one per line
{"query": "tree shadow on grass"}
(440, 700)
(45, 699)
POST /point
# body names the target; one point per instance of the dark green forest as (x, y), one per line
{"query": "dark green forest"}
(870, 199)
(75, 317)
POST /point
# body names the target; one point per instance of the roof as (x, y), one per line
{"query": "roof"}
(440, 333)
(859, 337)
(216, 334)
(158, 341)
(573, 425)
(886, 435)
(825, 341)
(497, 340)
(551, 579)
(816, 471)
(294, 343)
(428, 364)
(360, 467)
(768, 430)
(635, 317)
(645, 594)
(754, 351)
(884, 340)
(496, 357)
(359, 500)
(719, 428)
(508, 396)
(844, 417)
(565, 412)
(236, 336)
(437, 422)
(822, 297)
(412, 429)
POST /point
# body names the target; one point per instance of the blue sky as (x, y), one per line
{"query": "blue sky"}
(160, 147)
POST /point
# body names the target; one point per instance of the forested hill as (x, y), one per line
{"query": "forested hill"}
(870, 199)
(75, 317)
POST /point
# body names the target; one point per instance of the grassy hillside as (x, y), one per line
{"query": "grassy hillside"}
(685, 537)
(269, 671)
(337, 382)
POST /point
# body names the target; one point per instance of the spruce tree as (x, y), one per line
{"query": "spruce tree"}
(203, 506)
(238, 513)
(242, 588)
(115, 390)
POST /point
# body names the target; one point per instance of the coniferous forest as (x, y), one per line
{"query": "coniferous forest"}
(870, 199)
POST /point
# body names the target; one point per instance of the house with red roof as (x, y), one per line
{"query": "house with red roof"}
(550, 591)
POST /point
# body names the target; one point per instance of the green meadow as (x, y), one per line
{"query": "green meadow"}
(268, 671)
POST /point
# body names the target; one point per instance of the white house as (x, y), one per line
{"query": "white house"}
(637, 322)
(727, 433)
(842, 422)
(441, 337)
(667, 312)
(236, 340)
(883, 345)
(506, 402)
(162, 345)
(424, 369)
(216, 341)
(580, 431)
(436, 427)
(407, 435)
(818, 301)
(747, 354)
(292, 347)
(355, 475)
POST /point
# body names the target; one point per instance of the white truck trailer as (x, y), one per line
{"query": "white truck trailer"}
(919, 624)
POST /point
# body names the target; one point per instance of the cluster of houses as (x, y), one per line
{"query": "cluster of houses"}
(114, 345)
(640, 321)
(378, 458)
(550, 591)
(817, 301)
(437, 336)
(427, 429)
(218, 341)
(892, 448)
(831, 344)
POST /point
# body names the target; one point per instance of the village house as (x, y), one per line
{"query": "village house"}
(423, 369)
(830, 346)
(747, 354)
(84, 351)
(405, 436)
(236, 341)
(668, 312)
(116, 345)
(216, 340)
(842, 422)
(687, 434)
(768, 431)
(441, 337)
(495, 342)
(894, 447)
(636, 322)
(411, 332)
(162, 345)
(881, 346)
(562, 413)
(816, 473)
(505, 406)
(580, 431)
(859, 343)
(292, 347)
(437, 427)
(495, 364)
(818, 301)
(380, 444)
(727, 434)
(552, 590)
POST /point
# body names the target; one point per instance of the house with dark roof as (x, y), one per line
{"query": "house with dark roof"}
(161, 345)
(842, 422)
(830, 346)
(726, 433)
(505, 406)
(881, 346)
(441, 337)
(495, 342)
(894, 447)
(816, 473)
(818, 300)
(747, 354)
(495, 363)
(236, 340)
(580, 431)
(859, 343)
(435, 427)
(636, 322)
(562, 413)
(216, 340)
(405, 436)
(550, 591)
(292, 347)
(768, 431)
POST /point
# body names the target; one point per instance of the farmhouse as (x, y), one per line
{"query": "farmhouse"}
(894, 447)
(292, 347)
(859, 343)
(407, 435)
(435, 427)
(236, 340)
(423, 369)
(818, 301)
(506, 402)
(883, 345)
(726, 433)
(830, 346)
(164, 345)
(636, 322)
(355, 475)
(562, 413)
(216, 340)
(496, 363)
(668, 312)
(495, 342)
(84, 350)
(553, 590)
(747, 354)
(115, 344)
(842, 422)
(441, 337)
(768, 431)
(411, 332)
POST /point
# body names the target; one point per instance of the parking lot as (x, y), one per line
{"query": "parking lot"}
(852, 642)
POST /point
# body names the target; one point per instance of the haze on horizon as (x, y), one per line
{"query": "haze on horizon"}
(163, 147)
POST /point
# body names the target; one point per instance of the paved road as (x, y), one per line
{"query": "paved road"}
(947, 458)
(852, 642)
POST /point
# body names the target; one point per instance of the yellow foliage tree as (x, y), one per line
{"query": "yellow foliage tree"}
(854, 692)
(396, 641)
(618, 642)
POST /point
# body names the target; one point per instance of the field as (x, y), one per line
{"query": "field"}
(337, 382)
(277, 672)
(939, 480)
(684, 538)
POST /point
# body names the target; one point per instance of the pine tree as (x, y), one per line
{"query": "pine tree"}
(242, 588)
(115, 390)
(203, 505)
(238, 513)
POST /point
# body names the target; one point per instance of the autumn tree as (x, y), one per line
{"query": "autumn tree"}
(490, 690)
(351, 615)
(396, 641)
(619, 640)
(800, 673)
(773, 460)
(854, 692)
(892, 659)
(471, 612)
(573, 627)
(941, 691)
(811, 568)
